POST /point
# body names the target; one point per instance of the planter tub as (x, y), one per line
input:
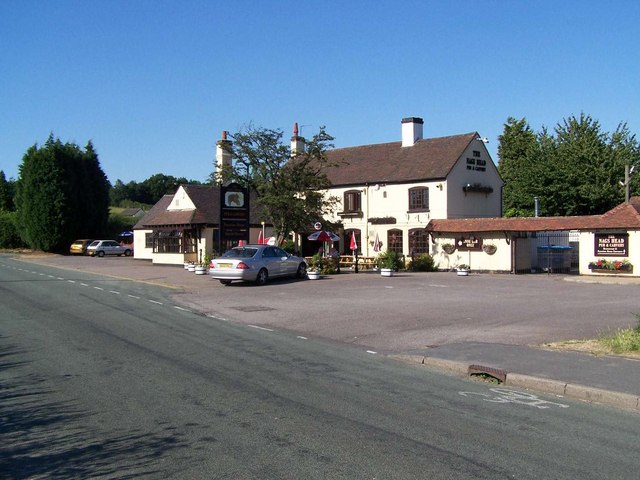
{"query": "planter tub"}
(462, 272)
(313, 275)
(386, 272)
(201, 270)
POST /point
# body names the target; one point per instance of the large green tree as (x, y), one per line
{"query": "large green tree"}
(7, 190)
(288, 185)
(574, 171)
(518, 151)
(62, 194)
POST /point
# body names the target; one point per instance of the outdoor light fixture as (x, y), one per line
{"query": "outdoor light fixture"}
(483, 139)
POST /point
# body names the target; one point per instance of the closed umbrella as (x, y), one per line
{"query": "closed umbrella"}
(376, 244)
(354, 244)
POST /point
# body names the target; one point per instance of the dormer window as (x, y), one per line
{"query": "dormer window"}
(419, 199)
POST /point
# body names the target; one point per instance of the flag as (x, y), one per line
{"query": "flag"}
(353, 245)
(261, 238)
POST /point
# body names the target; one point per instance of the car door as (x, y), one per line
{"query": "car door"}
(272, 261)
(111, 248)
(288, 266)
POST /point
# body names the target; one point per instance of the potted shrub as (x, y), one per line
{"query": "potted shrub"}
(315, 267)
(463, 270)
(388, 262)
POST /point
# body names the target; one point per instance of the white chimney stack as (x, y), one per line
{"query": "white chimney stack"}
(411, 131)
(223, 157)
(297, 142)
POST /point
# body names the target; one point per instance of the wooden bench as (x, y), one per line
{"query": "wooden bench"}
(364, 263)
(346, 261)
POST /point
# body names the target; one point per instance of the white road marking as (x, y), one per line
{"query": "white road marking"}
(372, 352)
(260, 328)
(114, 292)
(504, 395)
(302, 338)
(180, 308)
(133, 296)
(98, 288)
(157, 303)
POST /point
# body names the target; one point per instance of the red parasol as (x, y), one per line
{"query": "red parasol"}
(354, 244)
(323, 236)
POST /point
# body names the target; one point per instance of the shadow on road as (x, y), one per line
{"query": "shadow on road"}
(47, 438)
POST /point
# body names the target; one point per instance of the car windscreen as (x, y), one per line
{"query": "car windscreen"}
(240, 253)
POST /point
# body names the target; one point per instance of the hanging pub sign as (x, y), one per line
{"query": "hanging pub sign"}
(469, 243)
(611, 244)
(234, 213)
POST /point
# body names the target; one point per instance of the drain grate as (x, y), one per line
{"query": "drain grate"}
(496, 373)
(253, 308)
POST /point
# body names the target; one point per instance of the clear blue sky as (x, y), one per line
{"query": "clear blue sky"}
(154, 83)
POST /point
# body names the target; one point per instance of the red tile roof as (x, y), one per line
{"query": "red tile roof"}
(624, 216)
(428, 159)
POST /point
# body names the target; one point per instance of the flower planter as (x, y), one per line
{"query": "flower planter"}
(462, 272)
(191, 268)
(386, 272)
(610, 271)
(201, 270)
(186, 265)
(313, 275)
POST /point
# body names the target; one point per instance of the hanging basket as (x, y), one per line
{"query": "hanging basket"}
(448, 248)
(489, 249)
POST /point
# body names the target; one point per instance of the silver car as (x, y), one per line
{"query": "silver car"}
(256, 263)
(101, 248)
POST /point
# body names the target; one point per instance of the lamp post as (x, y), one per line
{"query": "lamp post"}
(263, 238)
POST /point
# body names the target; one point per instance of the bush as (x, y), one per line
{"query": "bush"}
(423, 263)
(389, 259)
(117, 223)
(288, 246)
(9, 237)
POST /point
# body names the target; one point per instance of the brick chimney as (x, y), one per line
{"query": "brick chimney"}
(297, 142)
(411, 131)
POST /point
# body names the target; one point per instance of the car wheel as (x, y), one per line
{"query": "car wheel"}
(127, 253)
(262, 277)
(302, 271)
(101, 253)
(225, 282)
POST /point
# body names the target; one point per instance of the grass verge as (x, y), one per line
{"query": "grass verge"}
(624, 341)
